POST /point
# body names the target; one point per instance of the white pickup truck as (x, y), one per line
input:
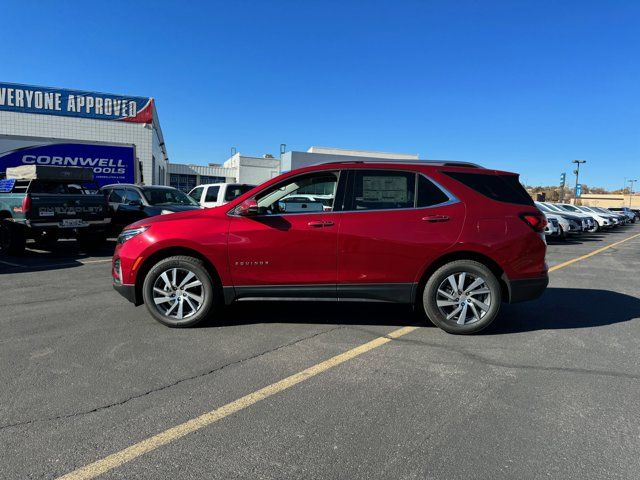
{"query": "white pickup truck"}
(216, 194)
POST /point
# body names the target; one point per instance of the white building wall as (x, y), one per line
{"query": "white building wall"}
(363, 153)
(90, 130)
(210, 171)
(254, 170)
(316, 155)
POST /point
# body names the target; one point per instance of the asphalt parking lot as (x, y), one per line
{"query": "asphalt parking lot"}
(551, 390)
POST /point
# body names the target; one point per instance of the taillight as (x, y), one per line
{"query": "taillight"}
(26, 203)
(536, 221)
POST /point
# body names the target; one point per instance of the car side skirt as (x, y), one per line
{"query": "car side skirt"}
(370, 292)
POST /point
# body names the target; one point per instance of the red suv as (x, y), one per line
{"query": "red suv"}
(452, 238)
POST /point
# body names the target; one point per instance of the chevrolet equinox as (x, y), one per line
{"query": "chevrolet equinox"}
(454, 239)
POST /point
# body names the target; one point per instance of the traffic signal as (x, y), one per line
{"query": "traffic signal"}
(563, 177)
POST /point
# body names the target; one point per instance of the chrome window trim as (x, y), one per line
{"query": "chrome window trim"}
(452, 199)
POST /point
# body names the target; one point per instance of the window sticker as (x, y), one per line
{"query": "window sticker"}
(385, 189)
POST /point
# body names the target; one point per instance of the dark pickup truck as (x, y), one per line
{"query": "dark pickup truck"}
(46, 203)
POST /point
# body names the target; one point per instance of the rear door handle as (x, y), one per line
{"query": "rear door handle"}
(320, 223)
(436, 218)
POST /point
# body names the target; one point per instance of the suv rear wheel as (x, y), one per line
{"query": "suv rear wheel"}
(178, 291)
(462, 297)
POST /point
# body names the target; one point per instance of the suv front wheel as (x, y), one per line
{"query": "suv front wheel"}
(178, 291)
(462, 297)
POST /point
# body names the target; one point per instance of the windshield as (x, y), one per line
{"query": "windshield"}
(167, 196)
(543, 207)
(553, 208)
(569, 208)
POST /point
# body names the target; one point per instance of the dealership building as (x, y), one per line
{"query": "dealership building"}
(118, 136)
(120, 139)
(255, 170)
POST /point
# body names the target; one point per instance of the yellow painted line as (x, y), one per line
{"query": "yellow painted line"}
(595, 252)
(145, 446)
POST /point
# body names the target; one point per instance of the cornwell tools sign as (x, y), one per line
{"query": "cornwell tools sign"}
(110, 163)
(75, 103)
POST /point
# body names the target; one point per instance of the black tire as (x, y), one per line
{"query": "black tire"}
(12, 238)
(482, 313)
(207, 291)
(563, 235)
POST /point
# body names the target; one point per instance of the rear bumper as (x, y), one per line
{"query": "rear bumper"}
(128, 292)
(526, 289)
(89, 223)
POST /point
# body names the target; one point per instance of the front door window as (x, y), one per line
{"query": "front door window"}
(304, 194)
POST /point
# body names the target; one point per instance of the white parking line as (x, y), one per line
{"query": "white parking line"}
(10, 264)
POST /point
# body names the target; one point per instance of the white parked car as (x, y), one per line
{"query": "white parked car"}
(216, 194)
(604, 221)
(613, 219)
(568, 224)
(553, 225)
(592, 224)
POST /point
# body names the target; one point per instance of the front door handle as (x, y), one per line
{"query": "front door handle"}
(436, 218)
(321, 223)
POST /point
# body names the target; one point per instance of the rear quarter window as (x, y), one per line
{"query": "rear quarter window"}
(429, 194)
(503, 188)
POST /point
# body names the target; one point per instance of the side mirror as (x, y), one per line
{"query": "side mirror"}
(248, 208)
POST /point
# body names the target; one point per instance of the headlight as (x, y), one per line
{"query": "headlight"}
(129, 234)
(166, 212)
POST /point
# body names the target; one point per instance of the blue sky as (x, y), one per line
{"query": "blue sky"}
(518, 85)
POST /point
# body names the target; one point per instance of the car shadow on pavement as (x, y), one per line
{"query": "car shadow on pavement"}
(558, 308)
(576, 240)
(566, 308)
(346, 313)
(62, 254)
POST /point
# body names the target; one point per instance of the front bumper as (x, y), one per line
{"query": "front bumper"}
(526, 289)
(128, 292)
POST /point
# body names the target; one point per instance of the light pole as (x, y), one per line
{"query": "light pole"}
(577, 172)
(631, 182)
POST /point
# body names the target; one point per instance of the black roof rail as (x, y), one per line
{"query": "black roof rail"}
(441, 163)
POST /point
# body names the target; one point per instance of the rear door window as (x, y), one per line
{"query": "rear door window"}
(503, 188)
(382, 190)
(212, 194)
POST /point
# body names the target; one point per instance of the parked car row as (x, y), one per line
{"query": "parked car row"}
(564, 219)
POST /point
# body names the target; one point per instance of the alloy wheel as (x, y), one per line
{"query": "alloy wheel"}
(463, 298)
(178, 293)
